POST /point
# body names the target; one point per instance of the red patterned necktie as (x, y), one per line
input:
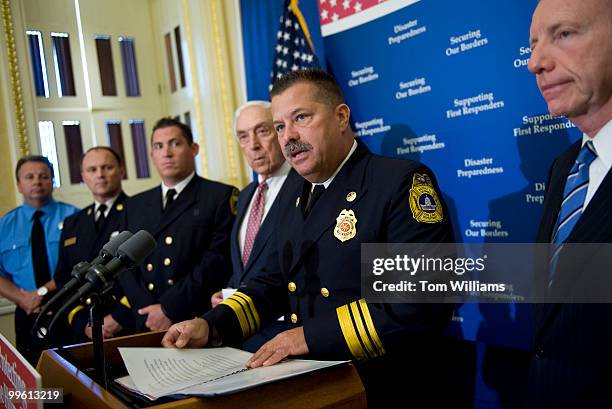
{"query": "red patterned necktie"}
(255, 217)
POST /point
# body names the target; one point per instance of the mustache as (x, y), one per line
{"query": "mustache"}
(293, 147)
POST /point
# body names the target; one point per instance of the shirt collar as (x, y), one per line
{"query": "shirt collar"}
(283, 170)
(179, 186)
(603, 144)
(109, 203)
(328, 181)
(47, 209)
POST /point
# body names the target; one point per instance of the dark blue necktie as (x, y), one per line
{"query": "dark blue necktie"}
(572, 205)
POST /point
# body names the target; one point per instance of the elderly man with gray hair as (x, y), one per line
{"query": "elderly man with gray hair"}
(257, 204)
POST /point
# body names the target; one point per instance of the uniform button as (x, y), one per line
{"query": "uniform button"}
(167, 261)
(151, 286)
(170, 281)
(291, 286)
(324, 292)
(168, 240)
(88, 301)
(149, 267)
(294, 318)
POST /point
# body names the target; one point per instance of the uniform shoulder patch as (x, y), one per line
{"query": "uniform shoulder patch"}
(424, 202)
(234, 202)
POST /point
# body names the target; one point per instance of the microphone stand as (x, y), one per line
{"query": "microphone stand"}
(96, 318)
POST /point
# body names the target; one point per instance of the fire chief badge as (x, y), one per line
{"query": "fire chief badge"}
(346, 225)
(424, 202)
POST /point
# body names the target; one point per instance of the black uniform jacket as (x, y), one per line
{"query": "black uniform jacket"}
(81, 242)
(315, 273)
(192, 257)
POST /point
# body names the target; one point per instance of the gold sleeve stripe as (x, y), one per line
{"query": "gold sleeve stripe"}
(348, 331)
(251, 308)
(370, 325)
(237, 308)
(248, 317)
(72, 313)
(125, 301)
(363, 334)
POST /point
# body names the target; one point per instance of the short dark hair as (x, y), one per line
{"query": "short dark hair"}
(103, 148)
(328, 91)
(32, 158)
(167, 122)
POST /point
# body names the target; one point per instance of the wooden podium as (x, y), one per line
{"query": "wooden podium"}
(336, 387)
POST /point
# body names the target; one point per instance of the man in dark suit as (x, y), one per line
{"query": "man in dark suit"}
(87, 231)
(347, 197)
(191, 219)
(572, 58)
(258, 206)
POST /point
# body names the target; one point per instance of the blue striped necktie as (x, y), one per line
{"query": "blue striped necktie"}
(574, 195)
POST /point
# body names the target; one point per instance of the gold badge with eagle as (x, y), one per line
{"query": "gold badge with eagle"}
(346, 225)
(424, 202)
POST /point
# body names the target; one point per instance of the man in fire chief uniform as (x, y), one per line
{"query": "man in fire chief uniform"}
(87, 231)
(348, 197)
(191, 219)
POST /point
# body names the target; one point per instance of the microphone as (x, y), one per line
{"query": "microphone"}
(129, 254)
(106, 254)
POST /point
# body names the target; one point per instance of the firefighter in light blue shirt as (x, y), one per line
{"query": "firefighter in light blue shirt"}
(29, 246)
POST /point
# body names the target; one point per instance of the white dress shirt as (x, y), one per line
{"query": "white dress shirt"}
(275, 183)
(178, 187)
(601, 165)
(109, 204)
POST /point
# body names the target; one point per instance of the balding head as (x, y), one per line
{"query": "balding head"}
(571, 45)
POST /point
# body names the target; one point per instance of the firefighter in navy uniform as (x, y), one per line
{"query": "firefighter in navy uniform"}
(191, 219)
(348, 197)
(87, 231)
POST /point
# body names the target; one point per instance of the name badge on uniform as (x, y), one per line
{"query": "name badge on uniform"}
(424, 202)
(70, 241)
(346, 225)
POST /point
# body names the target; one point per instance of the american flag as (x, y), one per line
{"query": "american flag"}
(340, 15)
(334, 10)
(294, 48)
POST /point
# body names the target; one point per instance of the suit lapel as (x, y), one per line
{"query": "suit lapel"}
(549, 219)
(331, 203)
(183, 202)
(594, 226)
(265, 231)
(243, 205)
(87, 239)
(557, 185)
(595, 215)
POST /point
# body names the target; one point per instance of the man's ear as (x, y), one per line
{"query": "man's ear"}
(343, 113)
(195, 148)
